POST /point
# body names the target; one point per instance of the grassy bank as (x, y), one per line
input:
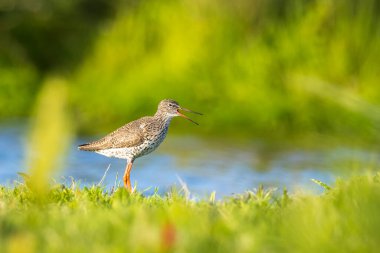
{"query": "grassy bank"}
(344, 219)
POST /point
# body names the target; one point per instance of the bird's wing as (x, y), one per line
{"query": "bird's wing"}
(126, 136)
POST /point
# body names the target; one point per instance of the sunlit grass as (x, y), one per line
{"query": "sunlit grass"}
(92, 219)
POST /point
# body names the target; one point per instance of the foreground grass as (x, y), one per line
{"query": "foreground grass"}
(344, 219)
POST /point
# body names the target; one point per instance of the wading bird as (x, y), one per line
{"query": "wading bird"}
(139, 137)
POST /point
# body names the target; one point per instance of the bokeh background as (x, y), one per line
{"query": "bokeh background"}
(258, 69)
(254, 67)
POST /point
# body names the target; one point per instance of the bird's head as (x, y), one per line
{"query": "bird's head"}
(171, 108)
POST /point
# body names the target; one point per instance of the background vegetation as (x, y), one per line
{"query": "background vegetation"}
(269, 67)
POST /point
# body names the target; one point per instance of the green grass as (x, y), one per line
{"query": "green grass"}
(344, 219)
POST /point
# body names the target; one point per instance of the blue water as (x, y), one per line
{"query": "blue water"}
(203, 165)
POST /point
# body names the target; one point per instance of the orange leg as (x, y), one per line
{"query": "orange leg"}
(127, 177)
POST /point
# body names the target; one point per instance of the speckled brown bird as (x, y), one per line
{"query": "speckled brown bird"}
(139, 137)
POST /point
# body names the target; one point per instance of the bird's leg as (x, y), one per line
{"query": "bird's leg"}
(127, 177)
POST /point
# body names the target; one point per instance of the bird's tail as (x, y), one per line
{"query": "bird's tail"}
(85, 147)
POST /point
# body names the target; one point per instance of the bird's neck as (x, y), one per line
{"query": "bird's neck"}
(166, 119)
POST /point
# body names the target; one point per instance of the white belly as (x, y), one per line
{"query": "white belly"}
(122, 153)
(131, 153)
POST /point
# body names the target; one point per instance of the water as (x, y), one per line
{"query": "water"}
(203, 165)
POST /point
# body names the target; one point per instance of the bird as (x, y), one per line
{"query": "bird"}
(139, 137)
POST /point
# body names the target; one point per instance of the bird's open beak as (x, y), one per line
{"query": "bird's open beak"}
(184, 116)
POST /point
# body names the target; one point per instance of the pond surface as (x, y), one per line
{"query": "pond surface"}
(203, 165)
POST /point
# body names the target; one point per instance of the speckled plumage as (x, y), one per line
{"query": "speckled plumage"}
(132, 140)
(139, 137)
(135, 139)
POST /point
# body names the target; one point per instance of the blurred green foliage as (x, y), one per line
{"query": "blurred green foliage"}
(344, 219)
(41, 37)
(239, 62)
(50, 135)
(50, 35)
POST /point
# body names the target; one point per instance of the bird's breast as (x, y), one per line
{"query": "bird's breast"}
(152, 141)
